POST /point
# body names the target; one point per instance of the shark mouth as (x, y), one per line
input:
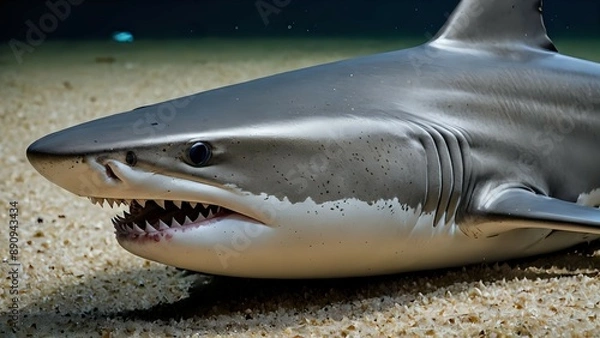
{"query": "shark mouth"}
(148, 217)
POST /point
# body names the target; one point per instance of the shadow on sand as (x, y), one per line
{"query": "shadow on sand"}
(213, 296)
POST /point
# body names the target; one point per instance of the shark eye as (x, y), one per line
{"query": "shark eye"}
(131, 158)
(199, 154)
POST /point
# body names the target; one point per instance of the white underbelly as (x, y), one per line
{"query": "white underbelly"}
(342, 238)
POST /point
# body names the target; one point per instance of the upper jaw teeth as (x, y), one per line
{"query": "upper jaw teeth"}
(111, 202)
(131, 228)
(161, 203)
(115, 202)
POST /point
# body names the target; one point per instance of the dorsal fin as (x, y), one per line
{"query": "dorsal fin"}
(496, 23)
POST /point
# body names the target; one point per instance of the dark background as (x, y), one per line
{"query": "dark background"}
(239, 18)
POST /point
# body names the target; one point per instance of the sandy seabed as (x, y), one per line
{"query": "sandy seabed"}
(75, 280)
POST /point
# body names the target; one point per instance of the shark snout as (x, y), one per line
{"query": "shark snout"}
(80, 174)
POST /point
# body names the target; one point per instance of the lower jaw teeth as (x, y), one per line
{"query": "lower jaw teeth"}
(135, 229)
(150, 228)
(162, 225)
(144, 216)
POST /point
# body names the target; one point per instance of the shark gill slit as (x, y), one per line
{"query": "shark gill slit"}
(457, 146)
(446, 174)
(432, 168)
(444, 171)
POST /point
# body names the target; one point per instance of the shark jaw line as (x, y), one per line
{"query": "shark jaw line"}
(159, 204)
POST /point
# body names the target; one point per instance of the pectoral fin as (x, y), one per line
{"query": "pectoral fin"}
(520, 208)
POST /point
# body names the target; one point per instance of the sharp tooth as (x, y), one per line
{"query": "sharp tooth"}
(193, 204)
(206, 206)
(128, 228)
(137, 229)
(114, 222)
(149, 228)
(101, 202)
(127, 202)
(141, 202)
(177, 204)
(161, 203)
(110, 202)
(187, 221)
(174, 223)
(162, 225)
(205, 213)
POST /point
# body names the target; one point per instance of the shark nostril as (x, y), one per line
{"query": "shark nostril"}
(110, 173)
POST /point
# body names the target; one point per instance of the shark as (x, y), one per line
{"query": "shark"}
(480, 145)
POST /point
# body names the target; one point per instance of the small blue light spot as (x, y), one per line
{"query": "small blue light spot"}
(124, 37)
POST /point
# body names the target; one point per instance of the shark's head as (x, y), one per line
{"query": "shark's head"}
(223, 182)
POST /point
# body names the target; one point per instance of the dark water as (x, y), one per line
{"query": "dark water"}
(340, 28)
(92, 19)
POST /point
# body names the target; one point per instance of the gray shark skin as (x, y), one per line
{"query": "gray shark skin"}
(480, 145)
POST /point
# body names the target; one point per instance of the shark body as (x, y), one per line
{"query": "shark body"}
(480, 145)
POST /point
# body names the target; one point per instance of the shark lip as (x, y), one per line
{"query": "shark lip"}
(151, 217)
